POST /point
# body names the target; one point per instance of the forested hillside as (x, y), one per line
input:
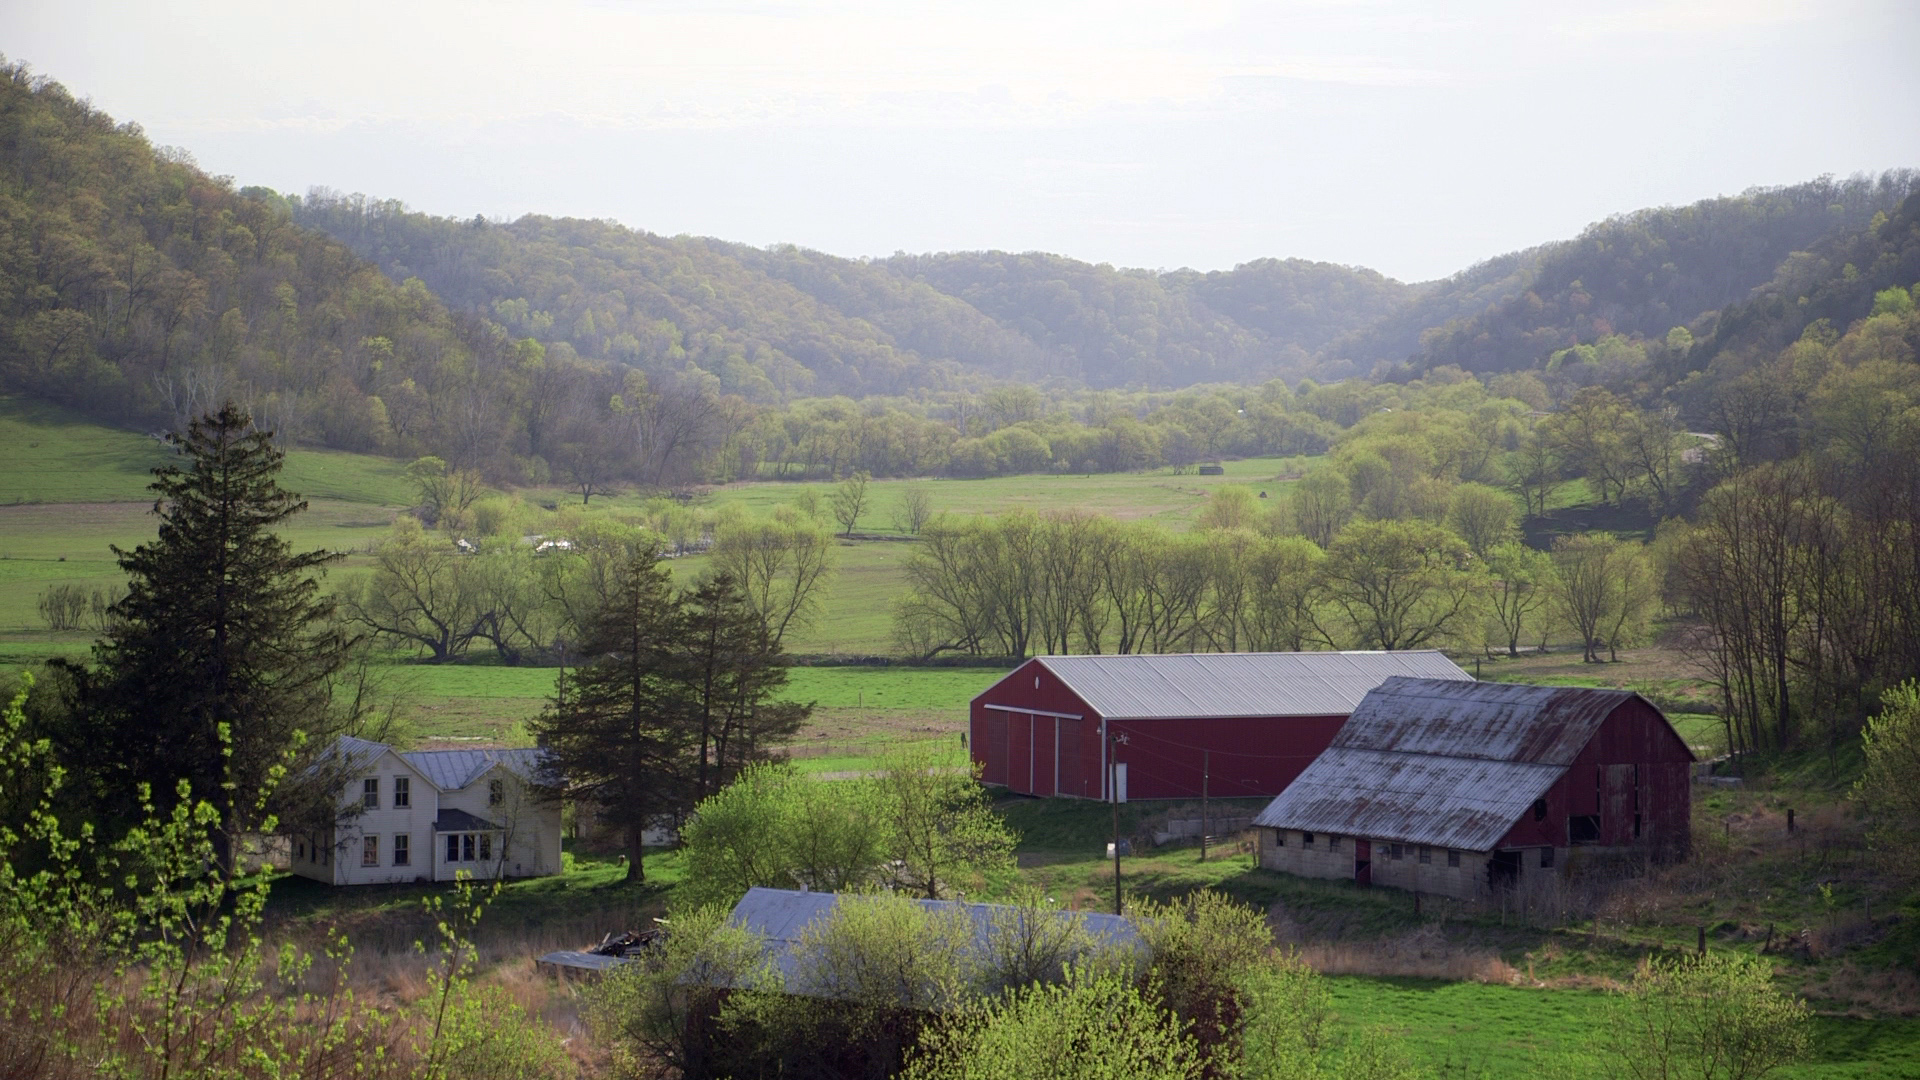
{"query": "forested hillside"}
(1639, 275)
(774, 323)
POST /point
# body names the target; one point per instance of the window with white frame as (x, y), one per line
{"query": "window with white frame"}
(370, 793)
(402, 792)
(369, 851)
(496, 791)
(402, 849)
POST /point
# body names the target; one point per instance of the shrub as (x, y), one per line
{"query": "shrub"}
(1093, 1029)
(1716, 1017)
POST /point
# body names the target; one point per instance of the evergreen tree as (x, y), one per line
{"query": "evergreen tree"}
(221, 658)
(613, 728)
(729, 665)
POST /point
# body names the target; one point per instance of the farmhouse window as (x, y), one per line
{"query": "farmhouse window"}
(370, 793)
(453, 847)
(1306, 839)
(1426, 854)
(1539, 809)
(1279, 838)
(402, 792)
(402, 850)
(1333, 843)
(496, 791)
(1394, 852)
(300, 850)
(369, 851)
(466, 847)
(1453, 858)
(1546, 858)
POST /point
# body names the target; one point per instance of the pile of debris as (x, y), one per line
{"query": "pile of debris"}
(613, 951)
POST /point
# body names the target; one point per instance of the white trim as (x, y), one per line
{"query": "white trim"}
(1032, 712)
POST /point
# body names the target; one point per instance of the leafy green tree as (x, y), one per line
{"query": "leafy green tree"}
(1399, 584)
(1889, 787)
(1098, 1029)
(781, 566)
(611, 727)
(221, 660)
(422, 593)
(1322, 505)
(774, 827)
(850, 501)
(940, 831)
(1715, 1017)
(1481, 516)
(1522, 586)
(446, 494)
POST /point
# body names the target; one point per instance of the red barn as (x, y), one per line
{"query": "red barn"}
(1240, 724)
(1462, 788)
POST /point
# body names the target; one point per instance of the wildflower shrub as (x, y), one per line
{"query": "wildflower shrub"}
(141, 956)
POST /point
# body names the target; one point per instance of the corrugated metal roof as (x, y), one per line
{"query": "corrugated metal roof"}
(350, 754)
(781, 917)
(1195, 685)
(1547, 725)
(1447, 802)
(451, 770)
(1442, 763)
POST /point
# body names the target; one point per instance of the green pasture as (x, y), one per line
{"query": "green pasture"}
(53, 455)
(1170, 497)
(1471, 1029)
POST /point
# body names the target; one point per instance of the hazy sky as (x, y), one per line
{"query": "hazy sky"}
(1412, 137)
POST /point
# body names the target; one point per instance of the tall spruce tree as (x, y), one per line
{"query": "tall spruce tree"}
(613, 728)
(671, 702)
(223, 654)
(729, 665)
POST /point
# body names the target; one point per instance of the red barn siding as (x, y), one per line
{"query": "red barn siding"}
(1634, 763)
(1244, 756)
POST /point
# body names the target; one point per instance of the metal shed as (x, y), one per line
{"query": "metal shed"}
(780, 918)
(1454, 788)
(1233, 724)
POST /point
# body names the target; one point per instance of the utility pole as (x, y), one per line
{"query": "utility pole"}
(1206, 773)
(1116, 740)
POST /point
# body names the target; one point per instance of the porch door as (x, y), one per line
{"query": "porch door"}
(1363, 863)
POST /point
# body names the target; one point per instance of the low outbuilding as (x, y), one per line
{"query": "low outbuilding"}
(1461, 789)
(1175, 726)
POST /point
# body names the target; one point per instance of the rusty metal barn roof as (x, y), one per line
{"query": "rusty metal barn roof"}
(1449, 802)
(1545, 725)
(1194, 685)
(1446, 764)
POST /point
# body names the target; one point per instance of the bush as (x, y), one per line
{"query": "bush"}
(62, 606)
(1716, 1017)
(1084, 1030)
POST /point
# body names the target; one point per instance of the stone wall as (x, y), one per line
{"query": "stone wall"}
(1331, 857)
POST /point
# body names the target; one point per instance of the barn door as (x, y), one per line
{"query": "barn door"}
(1363, 863)
(1616, 825)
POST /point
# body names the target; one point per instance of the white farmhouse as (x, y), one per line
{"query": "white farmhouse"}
(430, 815)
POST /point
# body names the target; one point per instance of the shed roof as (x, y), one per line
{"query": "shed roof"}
(1197, 685)
(1442, 763)
(781, 916)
